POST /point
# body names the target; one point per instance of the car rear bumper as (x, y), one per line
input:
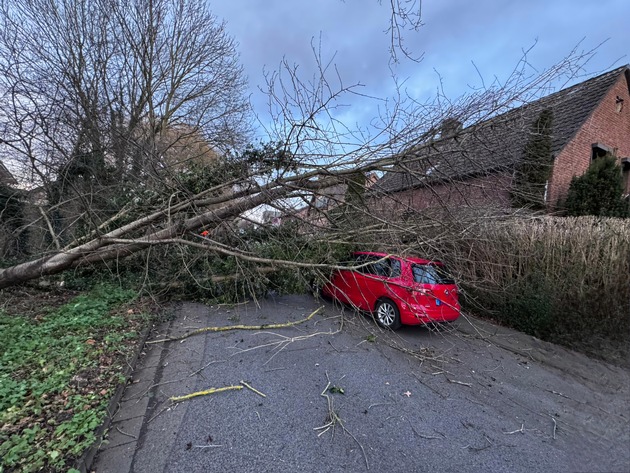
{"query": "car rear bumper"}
(412, 314)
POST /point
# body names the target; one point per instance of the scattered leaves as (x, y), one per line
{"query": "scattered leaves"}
(57, 374)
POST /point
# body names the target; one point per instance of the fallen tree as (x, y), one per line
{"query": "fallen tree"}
(125, 169)
(111, 245)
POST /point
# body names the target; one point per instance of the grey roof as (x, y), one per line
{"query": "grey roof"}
(498, 144)
(6, 177)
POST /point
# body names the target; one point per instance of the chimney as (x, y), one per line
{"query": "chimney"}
(450, 127)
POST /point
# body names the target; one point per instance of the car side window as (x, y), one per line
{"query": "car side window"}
(396, 268)
(381, 267)
(387, 268)
(361, 260)
(369, 265)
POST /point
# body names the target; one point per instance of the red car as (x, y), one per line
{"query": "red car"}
(398, 290)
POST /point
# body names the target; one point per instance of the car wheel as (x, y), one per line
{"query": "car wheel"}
(387, 314)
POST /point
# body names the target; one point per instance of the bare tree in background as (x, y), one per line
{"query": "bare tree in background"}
(99, 93)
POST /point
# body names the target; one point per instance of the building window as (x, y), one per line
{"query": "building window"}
(625, 169)
(599, 150)
(618, 104)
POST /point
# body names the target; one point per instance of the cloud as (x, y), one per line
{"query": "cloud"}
(455, 34)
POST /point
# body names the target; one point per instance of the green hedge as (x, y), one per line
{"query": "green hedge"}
(565, 280)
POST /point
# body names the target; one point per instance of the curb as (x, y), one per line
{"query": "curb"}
(84, 462)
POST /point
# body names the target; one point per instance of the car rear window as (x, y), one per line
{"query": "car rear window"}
(431, 274)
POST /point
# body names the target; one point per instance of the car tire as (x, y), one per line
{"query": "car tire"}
(387, 314)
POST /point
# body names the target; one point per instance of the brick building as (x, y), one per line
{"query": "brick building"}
(478, 166)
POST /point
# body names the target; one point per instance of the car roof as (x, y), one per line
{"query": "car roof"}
(411, 259)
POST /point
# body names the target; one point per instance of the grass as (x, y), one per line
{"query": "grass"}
(58, 370)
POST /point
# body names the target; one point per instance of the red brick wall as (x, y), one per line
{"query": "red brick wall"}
(487, 191)
(606, 126)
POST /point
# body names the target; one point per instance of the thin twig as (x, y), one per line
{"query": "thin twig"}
(443, 396)
(125, 433)
(330, 343)
(557, 393)
(253, 389)
(459, 382)
(205, 366)
(475, 402)
(479, 449)
(167, 408)
(285, 341)
(379, 404)
(429, 437)
(333, 419)
(155, 386)
(521, 430)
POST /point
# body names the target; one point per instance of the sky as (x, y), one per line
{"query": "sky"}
(463, 44)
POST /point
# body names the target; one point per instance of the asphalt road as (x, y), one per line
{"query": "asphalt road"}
(468, 398)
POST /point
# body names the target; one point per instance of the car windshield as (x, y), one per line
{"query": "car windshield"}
(431, 274)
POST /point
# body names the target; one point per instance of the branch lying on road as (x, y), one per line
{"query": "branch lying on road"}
(237, 387)
(236, 327)
(205, 393)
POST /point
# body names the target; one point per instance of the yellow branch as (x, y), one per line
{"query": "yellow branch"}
(237, 327)
(204, 393)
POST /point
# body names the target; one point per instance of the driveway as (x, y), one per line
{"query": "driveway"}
(343, 395)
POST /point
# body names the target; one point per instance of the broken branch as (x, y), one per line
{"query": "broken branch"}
(236, 327)
(205, 393)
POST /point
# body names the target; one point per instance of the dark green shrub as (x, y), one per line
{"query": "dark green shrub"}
(534, 170)
(598, 191)
(529, 306)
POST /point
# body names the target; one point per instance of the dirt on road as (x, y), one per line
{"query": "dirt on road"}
(342, 395)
